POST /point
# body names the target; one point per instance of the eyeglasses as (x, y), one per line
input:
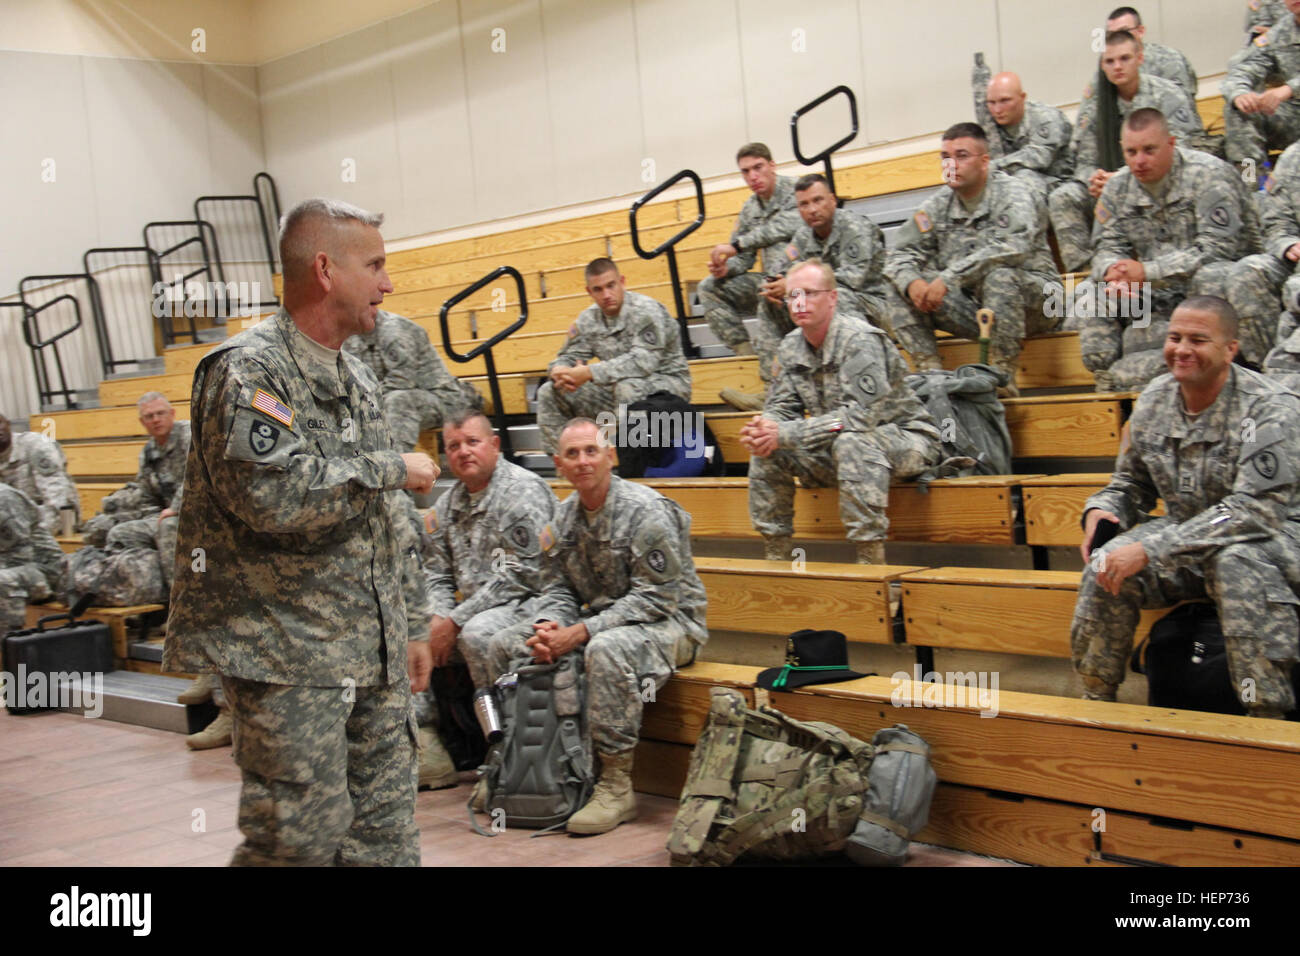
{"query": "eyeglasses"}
(798, 294)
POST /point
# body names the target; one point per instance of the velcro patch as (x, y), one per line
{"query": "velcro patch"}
(792, 252)
(1262, 39)
(272, 407)
(431, 521)
(1103, 214)
(648, 336)
(922, 221)
(546, 538)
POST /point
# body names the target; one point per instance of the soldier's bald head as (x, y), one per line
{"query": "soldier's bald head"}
(1006, 82)
(1006, 99)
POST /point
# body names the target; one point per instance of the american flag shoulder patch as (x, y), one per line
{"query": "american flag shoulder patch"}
(923, 221)
(431, 520)
(546, 538)
(272, 407)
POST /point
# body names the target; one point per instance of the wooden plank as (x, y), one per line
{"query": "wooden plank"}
(104, 458)
(768, 597)
(70, 544)
(660, 768)
(124, 391)
(974, 616)
(1012, 827)
(1054, 507)
(120, 421)
(679, 709)
(115, 617)
(710, 376)
(93, 493)
(1086, 427)
(513, 393)
(1047, 361)
(1103, 755)
(1169, 843)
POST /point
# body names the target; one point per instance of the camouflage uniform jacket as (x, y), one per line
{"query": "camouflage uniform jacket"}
(301, 573)
(1226, 478)
(1170, 64)
(1264, 13)
(633, 566)
(399, 353)
(37, 467)
(854, 382)
(1276, 53)
(1205, 216)
(1040, 141)
(1153, 91)
(1007, 228)
(1279, 204)
(765, 226)
(855, 249)
(160, 478)
(641, 341)
(26, 547)
(488, 551)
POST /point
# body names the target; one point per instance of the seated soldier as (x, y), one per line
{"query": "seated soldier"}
(766, 224)
(864, 425)
(1121, 87)
(980, 243)
(1169, 225)
(143, 514)
(1230, 532)
(36, 466)
(620, 589)
(1157, 59)
(418, 390)
(640, 352)
(1027, 139)
(1258, 117)
(482, 541)
(31, 561)
(1255, 283)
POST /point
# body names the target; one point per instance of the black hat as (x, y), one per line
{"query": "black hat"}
(811, 657)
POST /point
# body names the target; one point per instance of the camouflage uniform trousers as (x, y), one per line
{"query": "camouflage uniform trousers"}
(727, 301)
(861, 465)
(555, 406)
(1255, 291)
(1257, 611)
(1071, 208)
(473, 644)
(621, 664)
(17, 586)
(148, 534)
(410, 411)
(325, 780)
(1016, 297)
(1249, 137)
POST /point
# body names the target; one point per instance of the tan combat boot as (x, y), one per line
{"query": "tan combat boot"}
(612, 802)
(741, 401)
(478, 799)
(777, 547)
(437, 772)
(215, 734)
(871, 552)
(1094, 688)
(198, 692)
(1007, 365)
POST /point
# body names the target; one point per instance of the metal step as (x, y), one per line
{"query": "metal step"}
(145, 651)
(154, 365)
(149, 700)
(82, 398)
(544, 465)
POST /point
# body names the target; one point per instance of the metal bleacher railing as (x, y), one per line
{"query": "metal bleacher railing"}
(485, 348)
(54, 308)
(668, 246)
(824, 156)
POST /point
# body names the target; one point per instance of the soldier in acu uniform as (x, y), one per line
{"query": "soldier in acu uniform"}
(418, 390)
(1219, 445)
(621, 589)
(1157, 59)
(639, 347)
(1169, 225)
(1257, 117)
(1027, 139)
(36, 466)
(980, 243)
(864, 426)
(31, 561)
(298, 599)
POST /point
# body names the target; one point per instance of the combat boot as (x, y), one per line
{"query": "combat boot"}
(871, 552)
(437, 772)
(215, 734)
(743, 348)
(777, 547)
(478, 799)
(612, 802)
(198, 692)
(741, 401)
(1094, 688)
(1007, 366)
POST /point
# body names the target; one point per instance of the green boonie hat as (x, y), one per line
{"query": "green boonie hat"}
(811, 657)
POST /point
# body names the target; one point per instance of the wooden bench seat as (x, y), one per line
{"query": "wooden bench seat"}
(104, 458)
(115, 617)
(1054, 506)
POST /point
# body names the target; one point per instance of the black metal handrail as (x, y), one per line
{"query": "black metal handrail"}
(237, 245)
(26, 311)
(485, 348)
(100, 312)
(270, 214)
(825, 155)
(205, 237)
(38, 345)
(668, 245)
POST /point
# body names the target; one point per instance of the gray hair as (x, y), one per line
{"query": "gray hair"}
(297, 239)
(148, 397)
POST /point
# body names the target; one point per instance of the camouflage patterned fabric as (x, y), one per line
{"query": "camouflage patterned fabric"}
(157, 485)
(36, 466)
(1036, 151)
(628, 575)
(418, 391)
(763, 228)
(1187, 240)
(995, 256)
(640, 353)
(1170, 64)
(855, 251)
(487, 549)
(1228, 481)
(1070, 206)
(1276, 54)
(864, 427)
(31, 561)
